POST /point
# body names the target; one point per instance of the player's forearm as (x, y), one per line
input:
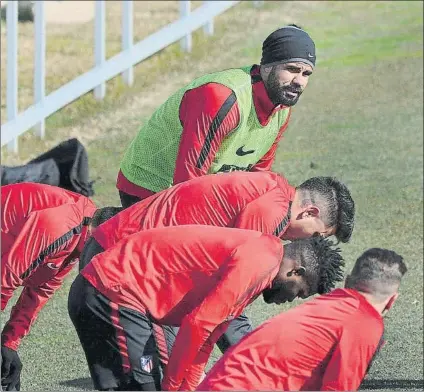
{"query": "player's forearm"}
(23, 315)
(9, 282)
(196, 371)
(182, 358)
(266, 162)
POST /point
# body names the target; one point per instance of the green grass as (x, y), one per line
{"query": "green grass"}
(360, 119)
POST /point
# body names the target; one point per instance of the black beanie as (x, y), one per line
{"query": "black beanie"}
(288, 44)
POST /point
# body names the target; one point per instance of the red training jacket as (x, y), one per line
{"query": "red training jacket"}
(199, 109)
(43, 229)
(196, 277)
(256, 201)
(324, 344)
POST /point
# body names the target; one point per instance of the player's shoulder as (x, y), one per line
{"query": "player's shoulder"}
(354, 311)
(270, 248)
(264, 247)
(263, 181)
(212, 90)
(271, 242)
(344, 299)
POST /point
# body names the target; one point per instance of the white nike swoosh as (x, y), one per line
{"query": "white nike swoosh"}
(52, 266)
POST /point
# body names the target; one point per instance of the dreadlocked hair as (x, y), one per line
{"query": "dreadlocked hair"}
(323, 263)
(330, 264)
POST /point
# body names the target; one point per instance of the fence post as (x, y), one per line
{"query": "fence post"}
(100, 44)
(12, 67)
(127, 37)
(208, 27)
(186, 42)
(40, 61)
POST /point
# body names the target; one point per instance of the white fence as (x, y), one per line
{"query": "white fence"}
(95, 79)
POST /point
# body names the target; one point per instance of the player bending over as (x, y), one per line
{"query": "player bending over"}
(43, 229)
(196, 277)
(326, 344)
(262, 201)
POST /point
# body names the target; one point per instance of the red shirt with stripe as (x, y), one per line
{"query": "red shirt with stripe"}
(257, 201)
(43, 229)
(198, 109)
(196, 277)
(327, 344)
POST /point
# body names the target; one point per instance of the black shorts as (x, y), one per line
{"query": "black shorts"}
(128, 200)
(123, 348)
(91, 248)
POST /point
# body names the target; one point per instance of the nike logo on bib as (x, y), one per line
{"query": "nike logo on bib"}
(241, 153)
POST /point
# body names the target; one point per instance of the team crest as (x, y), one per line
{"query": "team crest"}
(146, 363)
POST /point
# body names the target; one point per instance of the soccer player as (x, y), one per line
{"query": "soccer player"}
(43, 229)
(196, 277)
(262, 201)
(326, 344)
(220, 122)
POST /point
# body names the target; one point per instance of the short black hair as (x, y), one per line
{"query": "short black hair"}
(103, 214)
(334, 201)
(378, 272)
(323, 262)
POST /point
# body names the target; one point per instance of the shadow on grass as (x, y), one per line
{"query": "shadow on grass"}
(79, 383)
(392, 384)
(86, 384)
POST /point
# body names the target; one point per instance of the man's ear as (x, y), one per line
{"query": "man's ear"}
(297, 271)
(300, 271)
(265, 70)
(310, 211)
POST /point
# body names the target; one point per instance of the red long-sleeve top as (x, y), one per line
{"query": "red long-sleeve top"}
(325, 344)
(197, 277)
(256, 201)
(43, 229)
(198, 109)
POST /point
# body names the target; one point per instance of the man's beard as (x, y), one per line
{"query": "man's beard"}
(280, 291)
(270, 294)
(278, 94)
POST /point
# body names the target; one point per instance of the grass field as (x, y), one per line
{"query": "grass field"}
(360, 119)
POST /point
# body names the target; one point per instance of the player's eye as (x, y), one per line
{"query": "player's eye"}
(293, 69)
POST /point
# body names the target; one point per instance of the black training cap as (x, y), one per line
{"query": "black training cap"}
(288, 44)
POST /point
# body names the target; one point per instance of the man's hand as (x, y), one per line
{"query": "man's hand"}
(11, 367)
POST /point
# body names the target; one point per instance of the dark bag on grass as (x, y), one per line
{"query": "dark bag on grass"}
(65, 165)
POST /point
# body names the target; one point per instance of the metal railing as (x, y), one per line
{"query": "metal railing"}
(96, 78)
